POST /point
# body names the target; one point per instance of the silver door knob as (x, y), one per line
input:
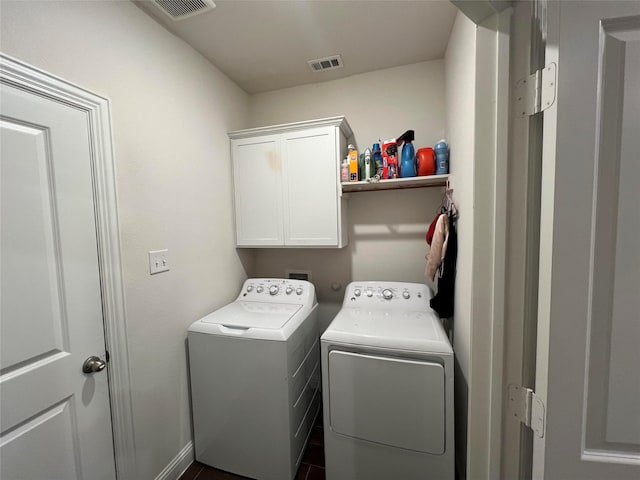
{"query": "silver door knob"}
(93, 364)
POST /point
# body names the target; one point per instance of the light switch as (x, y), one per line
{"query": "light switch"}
(158, 261)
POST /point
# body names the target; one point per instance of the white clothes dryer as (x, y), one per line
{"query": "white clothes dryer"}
(255, 379)
(387, 386)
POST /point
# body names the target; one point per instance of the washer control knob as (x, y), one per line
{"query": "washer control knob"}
(369, 293)
(273, 290)
(387, 294)
(289, 290)
(259, 289)
(299, 291)
(250, 288)
(406, 295)
(357, 292)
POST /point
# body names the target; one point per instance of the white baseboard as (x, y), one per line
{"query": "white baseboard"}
(178, 465)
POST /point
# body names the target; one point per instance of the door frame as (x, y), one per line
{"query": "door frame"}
(491, 135)
(486, 399)
(525, 163)
(18, 74)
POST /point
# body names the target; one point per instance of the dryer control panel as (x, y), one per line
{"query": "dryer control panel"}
(401, 295)
(278, 290)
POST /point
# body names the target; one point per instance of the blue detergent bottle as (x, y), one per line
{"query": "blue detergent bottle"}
(377, 159)
(442, 157)
(408, 157)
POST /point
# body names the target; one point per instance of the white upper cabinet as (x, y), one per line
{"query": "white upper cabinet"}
(257, 176)
(287, 184)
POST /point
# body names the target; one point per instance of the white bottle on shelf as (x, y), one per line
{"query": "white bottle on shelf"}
(344, 169)
(367, 174)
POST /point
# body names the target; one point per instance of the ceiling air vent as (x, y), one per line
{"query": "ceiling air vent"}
(181, 9)
(326, 63)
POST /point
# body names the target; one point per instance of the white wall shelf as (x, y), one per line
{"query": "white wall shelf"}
(396, 183)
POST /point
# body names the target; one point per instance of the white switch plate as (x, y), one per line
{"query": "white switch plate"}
(158, 261)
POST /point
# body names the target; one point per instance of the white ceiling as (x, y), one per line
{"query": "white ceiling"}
(264, 45)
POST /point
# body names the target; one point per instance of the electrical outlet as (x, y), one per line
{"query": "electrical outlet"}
(158, 261)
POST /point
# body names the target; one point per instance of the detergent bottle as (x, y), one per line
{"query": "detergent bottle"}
(377, 159)
(426, 160)
(408, 157)
(367, 166)
(442, 157)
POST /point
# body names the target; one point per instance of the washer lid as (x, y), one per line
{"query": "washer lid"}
(239, 314)
(398, 330)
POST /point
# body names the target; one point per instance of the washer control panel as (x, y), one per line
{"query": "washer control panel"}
(278, 290)
(386, 294)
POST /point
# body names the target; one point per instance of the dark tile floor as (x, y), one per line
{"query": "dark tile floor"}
(311, 468)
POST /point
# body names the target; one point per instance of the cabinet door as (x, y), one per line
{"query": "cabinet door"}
(311, 187)
(257, 176)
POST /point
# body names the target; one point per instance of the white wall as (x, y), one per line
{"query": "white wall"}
(386, 228)
(460, 77)
(171, 110)
(381, 104)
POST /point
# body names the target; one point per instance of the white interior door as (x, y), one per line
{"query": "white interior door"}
(55, 419)
(589, 291)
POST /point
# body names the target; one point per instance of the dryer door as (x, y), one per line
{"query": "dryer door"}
(397, 402)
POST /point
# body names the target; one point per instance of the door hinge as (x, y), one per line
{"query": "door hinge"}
(537, 92)
(527, 407)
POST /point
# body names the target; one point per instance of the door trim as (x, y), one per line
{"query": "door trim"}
(33, 80)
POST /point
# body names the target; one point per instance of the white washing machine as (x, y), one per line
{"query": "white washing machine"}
(387, 386)
(255, 379)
